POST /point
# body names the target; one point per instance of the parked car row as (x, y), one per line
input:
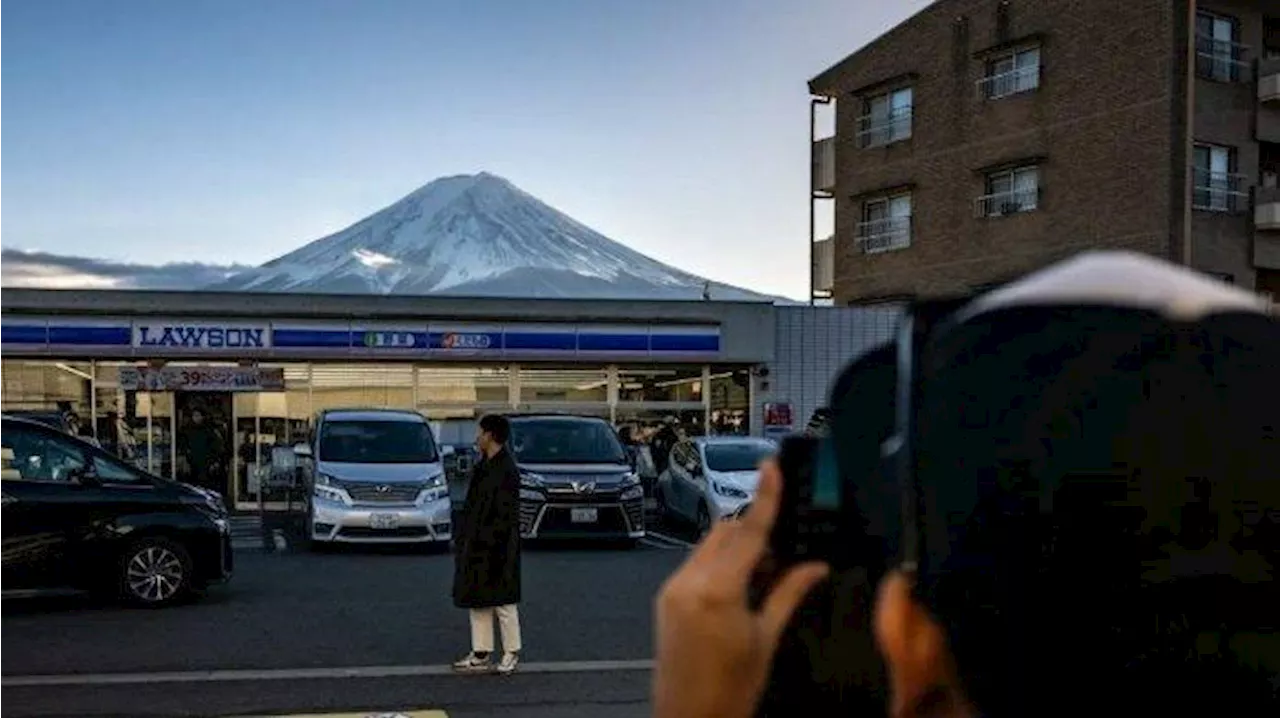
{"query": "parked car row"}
(377, 476)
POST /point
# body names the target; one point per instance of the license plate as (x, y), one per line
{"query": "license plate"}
(584, 516)
(384, 521)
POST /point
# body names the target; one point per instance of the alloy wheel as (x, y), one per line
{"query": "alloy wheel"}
(155, 574)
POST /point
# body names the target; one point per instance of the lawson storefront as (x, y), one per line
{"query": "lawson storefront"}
(136, 367)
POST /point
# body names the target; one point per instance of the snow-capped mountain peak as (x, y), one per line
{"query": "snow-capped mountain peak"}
(479, 235)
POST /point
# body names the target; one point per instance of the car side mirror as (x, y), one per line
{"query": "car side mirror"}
(447, 451)
(302, 451)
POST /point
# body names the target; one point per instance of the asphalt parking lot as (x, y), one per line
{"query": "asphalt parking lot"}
(356, 629)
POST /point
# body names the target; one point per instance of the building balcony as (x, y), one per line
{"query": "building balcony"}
(1266, 209)
(884, 235)
(824, 165)
(824, 266)
(1269, 81)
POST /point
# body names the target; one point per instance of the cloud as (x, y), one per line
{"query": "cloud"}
(42, 270)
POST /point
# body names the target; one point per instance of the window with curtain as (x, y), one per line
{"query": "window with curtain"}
(1012, 73)
(1010, 191)
(1215, 186)
(886, 224)
(1219, 55)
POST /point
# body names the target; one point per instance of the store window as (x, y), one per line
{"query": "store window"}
(446, 386)
(730, 402)
(676, 383)
(343, 386)
(571, 385)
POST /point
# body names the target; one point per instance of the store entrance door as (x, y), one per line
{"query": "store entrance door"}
(204, 439)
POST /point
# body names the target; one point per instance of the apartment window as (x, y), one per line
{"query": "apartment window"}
(1009, 192)
(886, 224)
(1011, 73)
(1219, 54)
(1215, 184)
(886, 118)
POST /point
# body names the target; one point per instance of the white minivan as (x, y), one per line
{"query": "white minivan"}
(377, 476)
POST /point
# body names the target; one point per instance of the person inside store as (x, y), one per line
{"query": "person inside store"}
(201, 447)
(486, 578)
(663, 441)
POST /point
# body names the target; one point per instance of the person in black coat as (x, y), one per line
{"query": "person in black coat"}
(486, 576)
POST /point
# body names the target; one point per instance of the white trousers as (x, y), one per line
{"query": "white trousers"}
(482, 628)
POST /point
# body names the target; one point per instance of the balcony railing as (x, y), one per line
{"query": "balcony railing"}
(824, 165)
(1218, 191)
(1269, 80)
(1011, 82)
(884, 235)
(1001, 204)
(876, 130)
(1220, 60)
(1266, 208)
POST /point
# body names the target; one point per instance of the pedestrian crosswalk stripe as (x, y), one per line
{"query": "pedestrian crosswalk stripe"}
(421, 713)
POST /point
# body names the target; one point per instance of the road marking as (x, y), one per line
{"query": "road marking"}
(419, 713)
(295, 674)
(671, 540)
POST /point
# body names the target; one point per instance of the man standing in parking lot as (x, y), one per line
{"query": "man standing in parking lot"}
(486, 576)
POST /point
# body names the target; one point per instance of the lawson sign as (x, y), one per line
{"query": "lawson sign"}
(201, 336)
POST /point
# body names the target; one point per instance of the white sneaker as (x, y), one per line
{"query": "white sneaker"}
(471, 663)
(508, 663)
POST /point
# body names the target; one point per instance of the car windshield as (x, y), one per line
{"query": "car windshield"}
(737, 456)
(560, 441)
(377, 442)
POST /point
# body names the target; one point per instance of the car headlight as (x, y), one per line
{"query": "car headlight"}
(631, 494)
(630, 479)
(434, 488)
(530, 480)
(327, 487)
(728, 491)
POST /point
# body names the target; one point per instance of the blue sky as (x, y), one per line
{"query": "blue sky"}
(236, 130)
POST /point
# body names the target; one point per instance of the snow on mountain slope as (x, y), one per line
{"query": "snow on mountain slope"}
(477, 235)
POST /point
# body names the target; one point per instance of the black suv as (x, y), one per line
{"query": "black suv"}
(576, 479)
(77, 517)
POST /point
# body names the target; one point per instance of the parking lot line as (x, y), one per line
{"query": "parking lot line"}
(417, 713)
(665, 541)
(295, 674)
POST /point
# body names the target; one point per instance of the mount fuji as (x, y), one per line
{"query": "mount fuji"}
(476, 235)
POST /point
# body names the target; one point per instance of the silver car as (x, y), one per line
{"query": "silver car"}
(377, 477)
(711, 478)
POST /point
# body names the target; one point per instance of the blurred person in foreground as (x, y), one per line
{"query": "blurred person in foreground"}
(486, 578)
(713, 653)
(1095, 467)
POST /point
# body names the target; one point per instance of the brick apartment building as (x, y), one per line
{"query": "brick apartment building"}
(982, 139)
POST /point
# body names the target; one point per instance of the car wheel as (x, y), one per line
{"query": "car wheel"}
(704, 520)
(155, 572)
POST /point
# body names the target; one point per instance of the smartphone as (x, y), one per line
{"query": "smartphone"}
(839, 506)
(807, 526)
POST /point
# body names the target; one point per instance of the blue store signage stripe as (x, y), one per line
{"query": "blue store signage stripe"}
(684, 343)
(541, 341)
(310, 338)
(91, 336)
(24, 334)
(613, 342)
